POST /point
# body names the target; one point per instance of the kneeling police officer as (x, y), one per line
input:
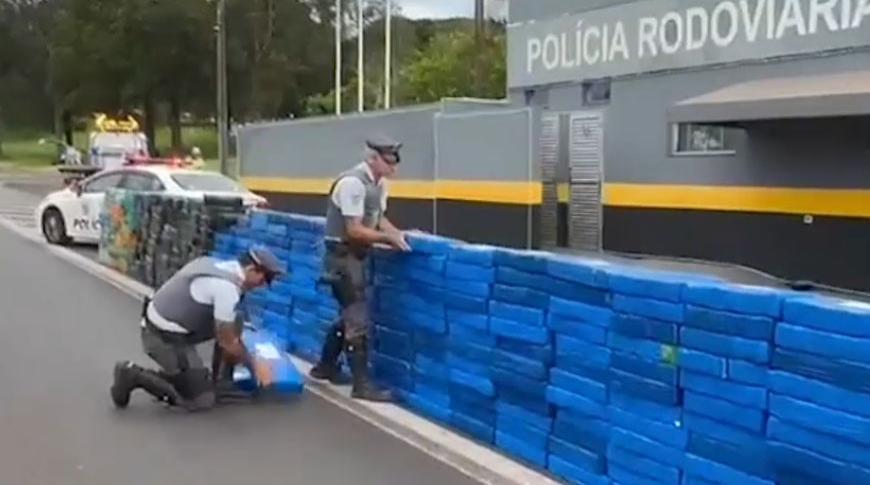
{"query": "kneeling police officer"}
(356, 220)
(196, 305)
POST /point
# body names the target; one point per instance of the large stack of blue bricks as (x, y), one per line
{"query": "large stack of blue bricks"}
(595, 372)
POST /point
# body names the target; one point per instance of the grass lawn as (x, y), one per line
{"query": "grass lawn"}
(22, 149)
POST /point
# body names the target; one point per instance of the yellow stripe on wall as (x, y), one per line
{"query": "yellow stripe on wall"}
(830, 202)
(524, 193)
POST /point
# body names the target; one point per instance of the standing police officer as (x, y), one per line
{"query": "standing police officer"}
(196, 305)
(356, 220)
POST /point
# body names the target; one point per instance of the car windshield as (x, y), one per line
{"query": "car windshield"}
(206, 182)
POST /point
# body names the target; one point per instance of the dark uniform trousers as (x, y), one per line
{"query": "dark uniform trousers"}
(345, 270)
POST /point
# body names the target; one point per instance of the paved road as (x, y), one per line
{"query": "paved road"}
(61, 331)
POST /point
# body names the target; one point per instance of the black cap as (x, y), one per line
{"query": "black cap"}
(267, 262)
(386, 147)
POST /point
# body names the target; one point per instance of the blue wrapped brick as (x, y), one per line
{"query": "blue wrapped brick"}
(468, 303)
(539, 353)
(519, 331)
(576, 403)
(586, 432)
(472, 405)
(651, 470)
(745, 326)
(648, 284)
(427, 408)
(472, 427)
(644, 328)
(826, 314)
(646, 307)
(531, 261)
(818, 418)
(749, 300)
(428, 244)
(824, 444)
(575, 475)
(517, 313)
(749, 419)
(725, 346)
(481, 385)
(793, 464)
(642, 388)
(719, 473)
(823, 343)
(578, 329)
(672, 433)
(747, 373)
(848, 375)
(651, 351)
(513, 412)
(654, 450)
(431, 369)
(470, 288)
(457, 362)
(518, 448)
(751, 396)
(516, 295)
(585, 459)
(753, 460)
(593, 390)
(647, 409)
(820, 393)
(572, 353)
(533, 436)
(664, 373)
(520, 365)
(469, 272)
(581, 312)
(584, 271)
(703, 363)
(478, 255)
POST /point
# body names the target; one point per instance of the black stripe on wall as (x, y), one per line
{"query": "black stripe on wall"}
(830, 250)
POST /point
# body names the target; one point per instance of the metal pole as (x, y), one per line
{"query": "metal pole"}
(339, 22)
(360, 57)
(388, 61)
(222, 108)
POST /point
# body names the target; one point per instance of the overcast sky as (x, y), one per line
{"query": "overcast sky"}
(447, 8)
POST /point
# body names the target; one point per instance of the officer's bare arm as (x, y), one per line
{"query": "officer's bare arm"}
(362, 234)
(230, 341)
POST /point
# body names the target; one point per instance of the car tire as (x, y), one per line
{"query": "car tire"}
(53, 227)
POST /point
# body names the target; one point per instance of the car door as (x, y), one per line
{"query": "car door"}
(86, 219)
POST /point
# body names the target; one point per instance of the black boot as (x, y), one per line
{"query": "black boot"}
(328, 368)
(363, 387)
(129, 377)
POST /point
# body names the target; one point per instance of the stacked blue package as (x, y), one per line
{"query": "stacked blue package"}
(818, 390)
(727, 342)
(645, 412)
(471, 345)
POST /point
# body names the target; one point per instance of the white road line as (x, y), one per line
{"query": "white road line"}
(472, 459)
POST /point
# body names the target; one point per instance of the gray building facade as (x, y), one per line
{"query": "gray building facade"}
(734, 131)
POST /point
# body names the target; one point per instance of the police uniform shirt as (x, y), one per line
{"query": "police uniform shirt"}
(350, 194)
(208, 290)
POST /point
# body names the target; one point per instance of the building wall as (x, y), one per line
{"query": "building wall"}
(467, 166)
(747, 208)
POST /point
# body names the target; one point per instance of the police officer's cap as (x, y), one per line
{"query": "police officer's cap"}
(266, 261)
(386, 147)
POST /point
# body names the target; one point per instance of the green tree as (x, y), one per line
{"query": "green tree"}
(456, 64)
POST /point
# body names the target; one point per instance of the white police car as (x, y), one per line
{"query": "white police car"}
(73, 214)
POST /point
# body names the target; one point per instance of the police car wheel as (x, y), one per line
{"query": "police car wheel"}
(53, 227)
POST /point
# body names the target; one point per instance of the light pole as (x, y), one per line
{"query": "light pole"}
(388, 48)
(360, 58)
(222, 108)
(339, 22)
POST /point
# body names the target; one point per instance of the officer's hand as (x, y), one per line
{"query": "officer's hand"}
(264, 373)
(397, 240)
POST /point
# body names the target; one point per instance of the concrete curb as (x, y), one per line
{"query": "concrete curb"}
(478, 462)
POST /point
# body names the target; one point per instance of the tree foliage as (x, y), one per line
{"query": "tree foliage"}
(62, 60)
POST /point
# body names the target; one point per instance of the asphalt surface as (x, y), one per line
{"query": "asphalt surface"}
(60, 333)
